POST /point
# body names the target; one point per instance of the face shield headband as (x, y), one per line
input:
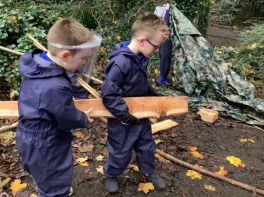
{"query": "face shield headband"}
(96, 42)
(91, 48)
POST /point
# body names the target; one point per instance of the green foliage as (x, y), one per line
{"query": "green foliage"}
(247, 59)
(17, 19)
(196, 11)
(250, 55)
(235, 12)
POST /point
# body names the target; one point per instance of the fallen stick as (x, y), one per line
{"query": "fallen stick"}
(8, 128)
(206, 172)
(4, 182)
(11, 51)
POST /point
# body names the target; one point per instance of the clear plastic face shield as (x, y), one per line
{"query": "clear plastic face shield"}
(86, 55)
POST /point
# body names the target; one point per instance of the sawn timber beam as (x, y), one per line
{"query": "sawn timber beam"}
(141, 107)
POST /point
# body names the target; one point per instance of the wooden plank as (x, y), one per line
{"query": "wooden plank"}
(141, 107)
(163, 125)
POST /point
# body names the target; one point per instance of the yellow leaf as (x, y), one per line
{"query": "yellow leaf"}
(134, 167)
(99, 158)
(118, 38)
(246, 140)
(145, 187)
(158, 141)
(193, 174)
(100, 169)
(17, 185)
(161, 159)
(253, 46)
(235, 161)
(82, 161)
(13, 19)
(6, 135)
(222, 171)
(209, 187)
(14, 142)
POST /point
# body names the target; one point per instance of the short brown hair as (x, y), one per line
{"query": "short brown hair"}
(67, 31)
(149, 24)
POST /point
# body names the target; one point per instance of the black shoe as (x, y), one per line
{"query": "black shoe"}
(111, 184)
(158, 183)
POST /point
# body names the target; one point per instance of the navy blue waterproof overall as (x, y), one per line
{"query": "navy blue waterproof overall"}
(125, 76)
(46, 116)
(165, 51)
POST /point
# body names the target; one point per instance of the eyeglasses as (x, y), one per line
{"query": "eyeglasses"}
(154, 46)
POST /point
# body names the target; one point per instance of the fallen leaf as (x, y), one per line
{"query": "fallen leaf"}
(82, 161)
(134, 167)
(6, 135)
(158, 141)
(145, 187)
(79, 134)
(14, 142)
(209, 187)
(246, 140)
(192, 148)
(222, 171)
(99, 158)
(161, 159)
(100, 169)
(16, 185)
(193, 174)
(86, 148)
(235, 161)
(195, 153)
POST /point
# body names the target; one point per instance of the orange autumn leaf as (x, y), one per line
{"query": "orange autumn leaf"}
(16, 185)
(235, 161)
(195, 153)
(222, 171)
(193, 174)
(193, 148)
(246, 140)
(145, 187)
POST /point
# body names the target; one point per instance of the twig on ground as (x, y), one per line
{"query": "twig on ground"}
(206, 172)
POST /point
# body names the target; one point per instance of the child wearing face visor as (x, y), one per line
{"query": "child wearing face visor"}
(46, 109)
(126, 76)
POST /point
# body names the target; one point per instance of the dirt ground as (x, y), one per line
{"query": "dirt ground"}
(215, 141)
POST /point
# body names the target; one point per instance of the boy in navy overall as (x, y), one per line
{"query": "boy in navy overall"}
(46, 109)
(126, 76)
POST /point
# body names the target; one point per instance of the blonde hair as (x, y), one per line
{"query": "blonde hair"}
(67, 31)
(149, 24)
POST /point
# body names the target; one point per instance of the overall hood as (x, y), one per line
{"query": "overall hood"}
(32, 65)
(122, 49)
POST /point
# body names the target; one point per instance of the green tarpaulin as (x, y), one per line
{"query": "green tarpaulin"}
(198, 72)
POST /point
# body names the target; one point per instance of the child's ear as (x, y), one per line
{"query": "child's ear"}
(65, 54)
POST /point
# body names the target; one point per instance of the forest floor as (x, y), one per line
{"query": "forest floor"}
(214, 141)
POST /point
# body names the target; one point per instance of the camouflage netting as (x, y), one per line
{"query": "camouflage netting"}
(203, 76)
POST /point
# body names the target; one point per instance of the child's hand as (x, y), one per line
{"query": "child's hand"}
(88, 112)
